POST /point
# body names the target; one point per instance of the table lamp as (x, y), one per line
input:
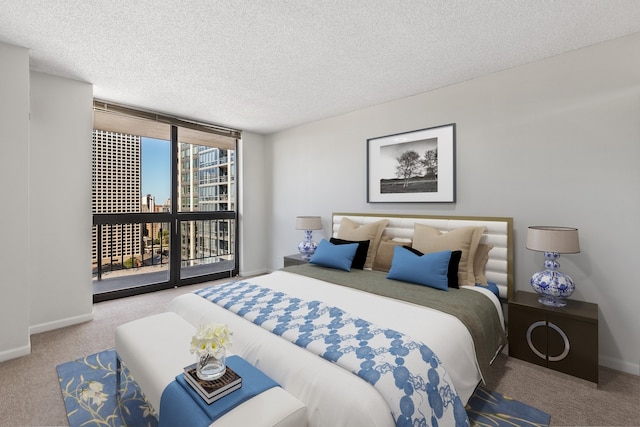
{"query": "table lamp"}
(308, 223)
(552, 285)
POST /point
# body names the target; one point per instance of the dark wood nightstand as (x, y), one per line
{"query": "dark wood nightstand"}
(564, 339)
(296, 259)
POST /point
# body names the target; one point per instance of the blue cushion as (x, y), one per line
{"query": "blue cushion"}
(361, 253)
(429, 269)
(334, 256)
(492, 287)
(452, 275)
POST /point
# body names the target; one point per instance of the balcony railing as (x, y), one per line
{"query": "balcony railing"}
(215, 198)
(136, 249)
(216, 180)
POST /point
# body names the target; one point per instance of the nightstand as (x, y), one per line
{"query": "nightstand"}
(564, 339)
(296, 259)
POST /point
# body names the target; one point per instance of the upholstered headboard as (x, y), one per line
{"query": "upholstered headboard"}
(498, 233)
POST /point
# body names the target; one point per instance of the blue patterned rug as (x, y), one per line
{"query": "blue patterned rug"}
(88, 389)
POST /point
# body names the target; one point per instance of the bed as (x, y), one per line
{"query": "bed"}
(464, 340)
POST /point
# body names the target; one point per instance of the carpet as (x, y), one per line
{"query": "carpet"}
(88, 389)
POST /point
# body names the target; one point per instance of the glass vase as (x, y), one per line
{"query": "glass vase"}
(209, 367)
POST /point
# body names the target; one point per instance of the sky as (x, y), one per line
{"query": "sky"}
(389, 154)
(156, 169)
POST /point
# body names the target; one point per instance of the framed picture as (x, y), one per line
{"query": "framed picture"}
(417, 166)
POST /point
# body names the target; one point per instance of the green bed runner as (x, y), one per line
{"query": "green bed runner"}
(474, 309)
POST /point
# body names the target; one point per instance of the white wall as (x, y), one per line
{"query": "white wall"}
(556, 142)
(60, 289)
(45, 180)
(253, 199)
(14, 163)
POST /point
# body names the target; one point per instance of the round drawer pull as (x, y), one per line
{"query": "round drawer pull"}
(539, 353)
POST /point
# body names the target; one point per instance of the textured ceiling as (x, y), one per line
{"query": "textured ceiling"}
(268, 65)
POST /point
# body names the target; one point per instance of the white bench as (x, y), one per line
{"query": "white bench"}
(155, 349)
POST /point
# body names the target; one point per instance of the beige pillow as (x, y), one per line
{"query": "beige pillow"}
(480, 263)
(372, 232)
(466, 239)
(384, 256)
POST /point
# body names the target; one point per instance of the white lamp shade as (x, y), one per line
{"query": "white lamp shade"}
(308, 223)
(562, 240)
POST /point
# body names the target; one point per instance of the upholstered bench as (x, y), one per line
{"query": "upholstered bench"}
(155, 349)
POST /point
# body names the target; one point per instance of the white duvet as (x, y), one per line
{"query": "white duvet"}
(334, 396)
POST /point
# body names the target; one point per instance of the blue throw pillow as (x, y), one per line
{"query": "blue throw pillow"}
(452, 275)
(429, 269)
(361, 253)
(334, 256)
(492, 287)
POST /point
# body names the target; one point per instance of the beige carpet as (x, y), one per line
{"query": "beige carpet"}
(30, 394)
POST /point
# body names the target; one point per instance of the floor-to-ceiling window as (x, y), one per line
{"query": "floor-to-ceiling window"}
(164, 201)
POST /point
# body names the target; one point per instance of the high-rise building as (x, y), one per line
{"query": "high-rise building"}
(207, 182)
(148, 203)
(216, 193)
(116, 189)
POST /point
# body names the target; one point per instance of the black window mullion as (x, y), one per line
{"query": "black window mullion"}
(174, 244)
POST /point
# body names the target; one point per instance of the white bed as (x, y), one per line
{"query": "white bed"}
(334, 396)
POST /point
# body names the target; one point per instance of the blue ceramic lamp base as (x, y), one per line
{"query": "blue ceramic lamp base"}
(307, 247)
(553, 286)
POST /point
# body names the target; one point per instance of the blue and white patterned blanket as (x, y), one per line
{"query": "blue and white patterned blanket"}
(406, 373)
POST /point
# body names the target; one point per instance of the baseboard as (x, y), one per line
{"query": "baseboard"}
(253, 273)
(57, 324)
(15, 352)
(620, 365)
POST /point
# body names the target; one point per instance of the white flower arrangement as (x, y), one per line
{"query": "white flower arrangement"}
(211, 340)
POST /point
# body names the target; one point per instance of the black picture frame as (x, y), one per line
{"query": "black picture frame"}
(413, 167)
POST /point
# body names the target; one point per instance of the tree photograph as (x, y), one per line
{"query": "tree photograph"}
(411, 167)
